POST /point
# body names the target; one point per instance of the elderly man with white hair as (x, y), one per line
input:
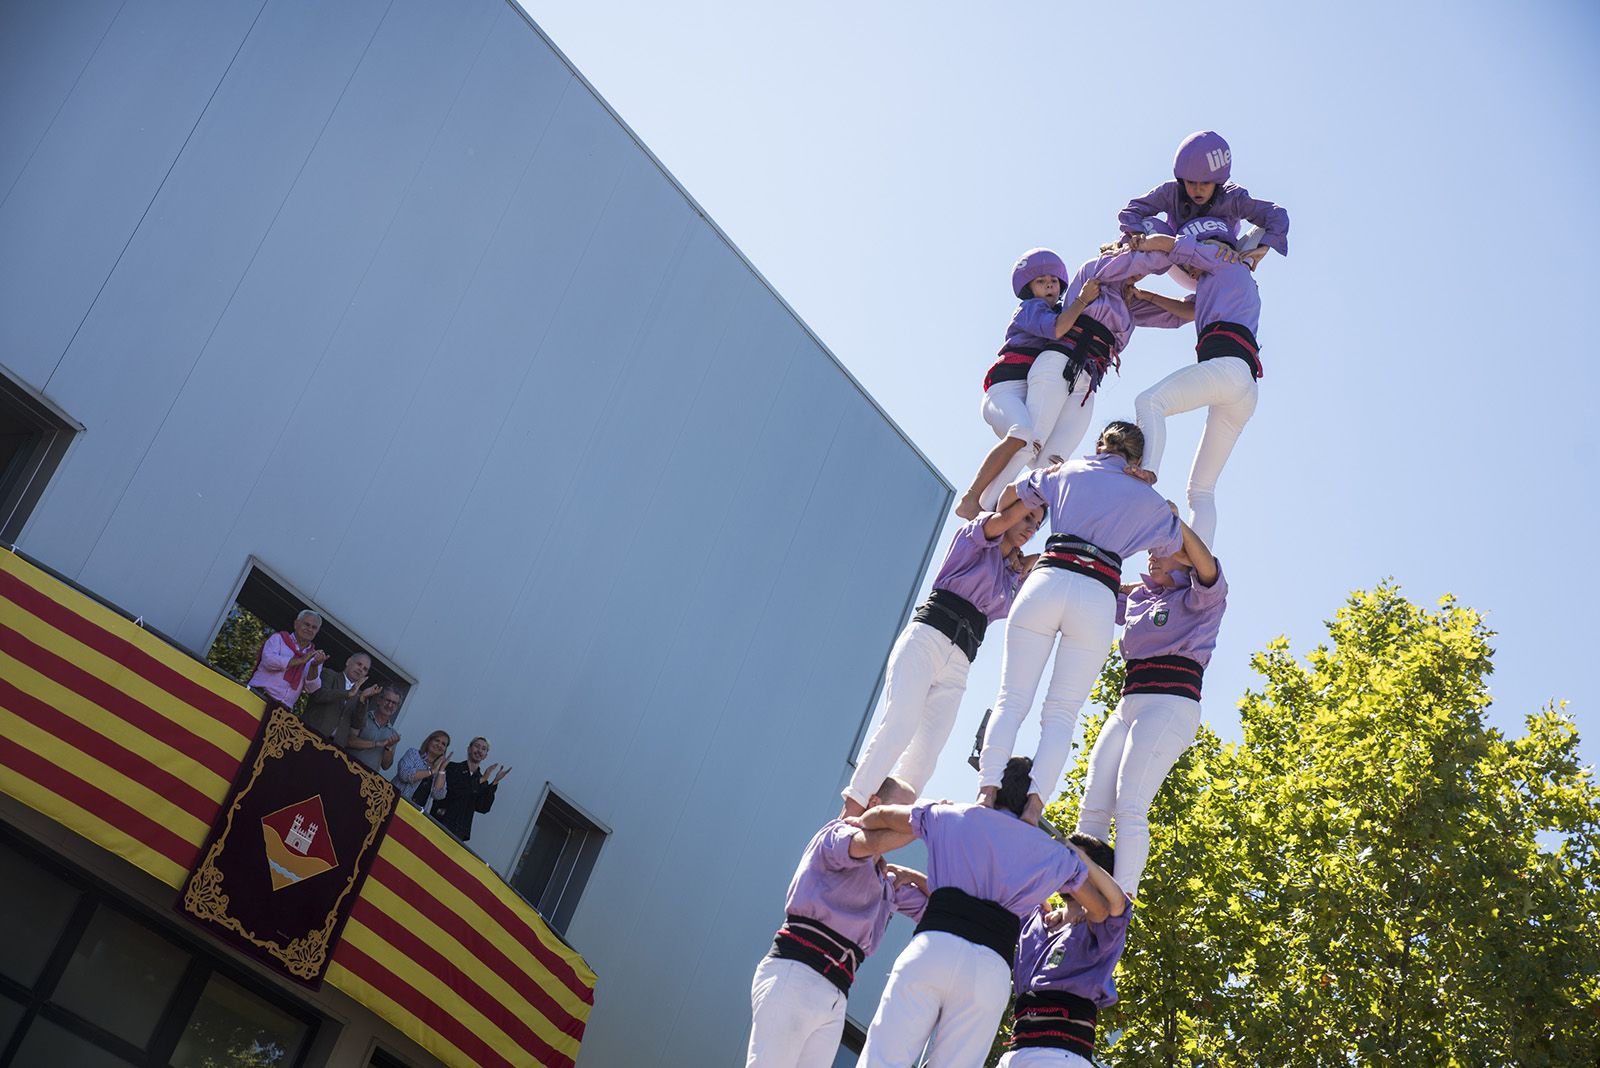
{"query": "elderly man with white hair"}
(288, 664)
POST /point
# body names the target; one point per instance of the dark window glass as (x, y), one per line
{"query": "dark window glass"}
(49, 1045)
(10, 1013)
(37, 907)
(121, 976)
(33, 439)
(232, 1027)
(555, 866)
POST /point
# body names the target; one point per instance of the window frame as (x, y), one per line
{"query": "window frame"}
(560, 913)
(382, 666)
(56, 430)
(205, 960)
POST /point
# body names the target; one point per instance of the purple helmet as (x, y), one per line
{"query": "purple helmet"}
(1203, 157)
(1155, 224)
(1035, 263)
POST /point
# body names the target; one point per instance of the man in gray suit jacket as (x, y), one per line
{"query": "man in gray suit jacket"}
(340, 699)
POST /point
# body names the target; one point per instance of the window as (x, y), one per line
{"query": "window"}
(265, 605)
(34, 436)
(555, 865)
(86, 981)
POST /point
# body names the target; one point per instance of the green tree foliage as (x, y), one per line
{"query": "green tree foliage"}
(1373, 875)
(238, 644)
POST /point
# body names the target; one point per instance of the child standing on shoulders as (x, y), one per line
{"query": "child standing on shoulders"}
(1025, 390)
(927, 674)
(1201, 190)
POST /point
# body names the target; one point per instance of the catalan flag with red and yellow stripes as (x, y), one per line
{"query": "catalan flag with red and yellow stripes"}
(116, 735)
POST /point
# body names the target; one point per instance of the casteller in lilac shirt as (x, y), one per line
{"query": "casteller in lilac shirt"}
(993, 855)
(1182, 621)
(1096, 500)
(1230, 203)
(1111, 269)
(1033, 328)
(855, 896)
(975, 569)
(1076, 958)
(1223, 293)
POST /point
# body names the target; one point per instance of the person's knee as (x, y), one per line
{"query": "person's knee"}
(1134, 817)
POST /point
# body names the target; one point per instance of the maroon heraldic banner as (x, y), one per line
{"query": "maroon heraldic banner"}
(285, 860)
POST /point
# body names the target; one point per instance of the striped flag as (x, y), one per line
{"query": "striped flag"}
(121, 738)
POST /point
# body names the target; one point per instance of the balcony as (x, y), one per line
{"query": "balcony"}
(126, 740)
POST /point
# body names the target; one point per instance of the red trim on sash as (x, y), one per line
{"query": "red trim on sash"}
(829, 957)
(1236, 337)
(1087, 561)
(1005, 359)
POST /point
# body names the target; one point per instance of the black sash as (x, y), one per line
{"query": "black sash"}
(983, 923)
(1165, 674)
(1054, 1019)
(1094, 351)
(1072, 553)
(820, 948)
(1229, 339)
(956, 618)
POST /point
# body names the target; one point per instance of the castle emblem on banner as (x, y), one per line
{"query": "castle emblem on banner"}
(297, 846)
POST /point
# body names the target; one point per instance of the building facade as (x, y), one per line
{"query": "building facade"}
(377, 307)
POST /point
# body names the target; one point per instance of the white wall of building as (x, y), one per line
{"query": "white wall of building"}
(383, 295)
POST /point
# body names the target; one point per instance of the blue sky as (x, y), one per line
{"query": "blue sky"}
(1426, 409)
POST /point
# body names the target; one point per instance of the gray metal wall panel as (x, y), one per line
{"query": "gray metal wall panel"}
(87, 184)
(432, 336)
(151, 323)
(274, 346)
(44, 47)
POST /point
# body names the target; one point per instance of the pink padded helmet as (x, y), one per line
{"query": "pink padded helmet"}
(1203, 157)
(1036, 263)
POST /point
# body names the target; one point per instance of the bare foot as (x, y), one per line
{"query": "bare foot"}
(987, 795)
(968, 507)
(1033, 811)
(852, 808)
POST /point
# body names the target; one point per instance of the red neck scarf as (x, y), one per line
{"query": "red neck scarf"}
(295, 674)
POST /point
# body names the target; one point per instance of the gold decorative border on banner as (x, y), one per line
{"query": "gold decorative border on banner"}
(304, 956)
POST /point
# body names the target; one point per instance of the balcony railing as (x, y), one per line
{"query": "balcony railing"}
(125, 739)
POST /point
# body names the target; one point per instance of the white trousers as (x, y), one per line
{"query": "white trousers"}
(1138, 745)
(1228, 389)
(797, 1017)
(1042, 1057)
(921, 695)
(1005, 409)
(1083, 613)
(1056, 417)
(944, 982)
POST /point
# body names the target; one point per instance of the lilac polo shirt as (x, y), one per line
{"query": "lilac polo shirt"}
(1033, 325)
(1230, 203)
(854, 896)
(1093, 499)
(975, 568)
(993, 855)
(1077, 958)
(1111, 269)
(1223, 292)
(1182, 621)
